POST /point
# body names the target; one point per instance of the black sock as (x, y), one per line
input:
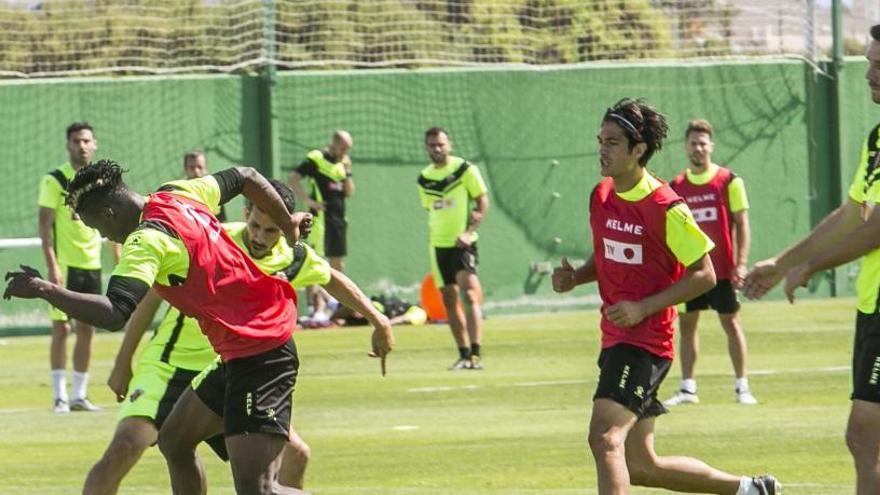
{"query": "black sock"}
(464, 352)
(475, 349)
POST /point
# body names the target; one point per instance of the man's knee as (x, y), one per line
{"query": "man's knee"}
(862, 439)
(256, 484)
(298, 452)
(471, 296)
(123, 449)
(173, 446)
(604, 441)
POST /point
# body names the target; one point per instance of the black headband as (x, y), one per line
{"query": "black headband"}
(626, 124)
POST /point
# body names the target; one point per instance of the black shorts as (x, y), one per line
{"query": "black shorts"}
(83, 281)
(334, 237)
(451, 260)
(176, 386)
(722, 298)
(631, 376)
(866, 358)
(253, 394)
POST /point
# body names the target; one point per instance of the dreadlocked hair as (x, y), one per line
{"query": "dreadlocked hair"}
(103, 176)
(642, 124)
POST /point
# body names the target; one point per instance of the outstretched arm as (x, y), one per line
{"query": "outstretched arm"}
(347, 292)
(831, 232)
(861, 241)
(109, 312)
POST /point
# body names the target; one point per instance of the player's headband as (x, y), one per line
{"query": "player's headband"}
(626, 124)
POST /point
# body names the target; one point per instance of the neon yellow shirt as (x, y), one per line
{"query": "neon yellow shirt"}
(76, 244)
(865, 190)
(736, 190)
(446, 192)
(683, 236)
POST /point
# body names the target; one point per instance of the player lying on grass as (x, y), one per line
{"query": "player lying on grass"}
(173, 243)
(179, 351)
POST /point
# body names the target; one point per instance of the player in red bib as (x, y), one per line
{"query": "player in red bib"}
(717, 199)
(173, 243)
(648, 256)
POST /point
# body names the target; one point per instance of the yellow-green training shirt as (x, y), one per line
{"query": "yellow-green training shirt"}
(865, 190)
(76, 245)
(446, 192)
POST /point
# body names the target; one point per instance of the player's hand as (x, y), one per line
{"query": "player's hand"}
(739, 276)
(763, 277)
(625, 314)
(55, 276)
(465, 239)
(563, 277)
(314, 205)
(26, 284)
(382, 340)
(302, 227)
(118, 382)
(796, 277)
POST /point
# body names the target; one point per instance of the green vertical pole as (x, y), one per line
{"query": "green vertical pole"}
(269, 143)
(836, 68)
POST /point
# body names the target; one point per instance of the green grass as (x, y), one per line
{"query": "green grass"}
(516, 428)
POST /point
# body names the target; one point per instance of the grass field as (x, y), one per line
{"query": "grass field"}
(518, 427)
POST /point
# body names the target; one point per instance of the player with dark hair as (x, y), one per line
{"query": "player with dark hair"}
(173, 243)
(73, 258)
(717, 199)
(850, 232)
(179, 351)
(648, 255)
(447, 187)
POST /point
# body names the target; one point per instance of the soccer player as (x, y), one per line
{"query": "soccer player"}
(717, 199)
(648, 255)
(330, 182)
(195, 165)
(398, 312)
(173, 243)
(447, 187)
(179, 351)
(850, 232)
(73, 258)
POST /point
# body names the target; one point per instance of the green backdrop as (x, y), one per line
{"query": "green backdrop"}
(531, 132)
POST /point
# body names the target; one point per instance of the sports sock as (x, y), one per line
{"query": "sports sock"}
(689, 385)
(475, 349)
(59, 384)
(742, 384)
(80, 384)
(464, 352)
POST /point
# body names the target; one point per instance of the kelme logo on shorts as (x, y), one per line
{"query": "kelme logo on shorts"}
(623, 252)
(623, 377)
(709, 214)
(875, 371)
